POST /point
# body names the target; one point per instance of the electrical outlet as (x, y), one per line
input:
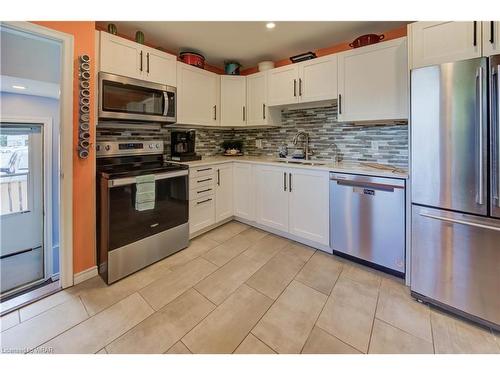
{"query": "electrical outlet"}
(258, 143)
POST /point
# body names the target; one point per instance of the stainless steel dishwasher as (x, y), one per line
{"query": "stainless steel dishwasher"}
(367, 219)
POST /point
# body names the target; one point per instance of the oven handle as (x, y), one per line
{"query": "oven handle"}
(132, 180)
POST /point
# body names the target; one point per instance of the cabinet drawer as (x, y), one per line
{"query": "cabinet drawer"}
(201, 213)
(201, 171)
(200, 182)
(204, 191)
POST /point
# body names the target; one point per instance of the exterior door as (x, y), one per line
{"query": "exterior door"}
(272, 197)
(449, 136)
(21, 215)
(309, 205)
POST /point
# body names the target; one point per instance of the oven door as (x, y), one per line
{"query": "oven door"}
(128, 99)
(127, 225)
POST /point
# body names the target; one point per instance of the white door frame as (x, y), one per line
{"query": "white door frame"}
(66, 144)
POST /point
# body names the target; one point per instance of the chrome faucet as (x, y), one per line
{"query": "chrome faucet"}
(306, 142)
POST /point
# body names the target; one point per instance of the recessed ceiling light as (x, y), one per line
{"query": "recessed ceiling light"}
(270, 25)
(18, 87)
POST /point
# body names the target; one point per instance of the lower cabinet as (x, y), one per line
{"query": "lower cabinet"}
(271, 197)
(289, 200)
(293, 200)
(223, 191)
(243, 193)
(308, 205)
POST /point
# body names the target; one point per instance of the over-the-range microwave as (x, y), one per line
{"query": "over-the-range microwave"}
(128, 99)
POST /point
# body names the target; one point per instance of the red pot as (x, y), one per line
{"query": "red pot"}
(365, 40)
(193, 58)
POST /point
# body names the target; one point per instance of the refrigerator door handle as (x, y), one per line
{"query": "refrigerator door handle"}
(479, 101)
(496, 123)
(457, 221)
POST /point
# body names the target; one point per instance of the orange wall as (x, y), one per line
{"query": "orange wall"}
(83, 170)
(391, 34)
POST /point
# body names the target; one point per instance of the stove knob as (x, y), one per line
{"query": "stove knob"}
(98, 148)
(150, 146)
(157, 145)
(107, 147)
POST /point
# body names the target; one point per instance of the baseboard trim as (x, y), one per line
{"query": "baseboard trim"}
(89, 273)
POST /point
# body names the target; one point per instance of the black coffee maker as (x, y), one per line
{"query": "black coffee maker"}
(182, 145)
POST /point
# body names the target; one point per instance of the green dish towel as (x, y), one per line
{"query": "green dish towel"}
(145, 192)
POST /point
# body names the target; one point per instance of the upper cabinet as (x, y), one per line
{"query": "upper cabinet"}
(257, 107)
(197, 96)
(233, 100)
(434, 43)
(126, 58)
(308, 81)
(282, 88)
(318, 79)
(373, 82)
(491, 37)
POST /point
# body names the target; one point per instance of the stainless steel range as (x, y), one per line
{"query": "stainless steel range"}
(142, 207)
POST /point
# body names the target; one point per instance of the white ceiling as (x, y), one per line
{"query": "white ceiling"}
(249, 42)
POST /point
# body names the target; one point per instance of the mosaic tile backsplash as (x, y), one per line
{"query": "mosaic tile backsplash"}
(328, 139)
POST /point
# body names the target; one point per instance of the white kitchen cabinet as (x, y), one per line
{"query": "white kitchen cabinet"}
(197, 96)
(318, 79)
(373, 82)
(126, 58)
(309, 205)
(271, 197)
(232, 100)
(120, 56)
(201, 213)
(223, 191)
(243, 191)
(160, 67)
(283, 85)
(434, 43)
(491, 37)
(257, 108)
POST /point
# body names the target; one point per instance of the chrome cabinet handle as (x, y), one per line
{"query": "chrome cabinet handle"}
(479, 76)
(218, 177)
(203, 191)
(141, 62)
(263, 111)
(475, 34)
(492, 32)
(147, 62)
(215, 112)
(340, 104)
(300, 86)
(205, 180)
(456, 221)
(244, 115)
(204, 169)
(294, 87)
(290, 182)
(284, 181)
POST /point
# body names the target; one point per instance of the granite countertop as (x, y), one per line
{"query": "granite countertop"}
(342, 167)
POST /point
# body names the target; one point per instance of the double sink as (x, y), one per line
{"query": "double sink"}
(302, 162)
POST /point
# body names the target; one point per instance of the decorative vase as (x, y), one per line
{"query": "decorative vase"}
(139, 37)
(112, 28)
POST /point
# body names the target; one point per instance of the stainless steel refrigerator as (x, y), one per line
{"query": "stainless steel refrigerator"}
(455, 187)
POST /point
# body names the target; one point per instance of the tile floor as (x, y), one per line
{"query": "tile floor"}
(238, 289)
